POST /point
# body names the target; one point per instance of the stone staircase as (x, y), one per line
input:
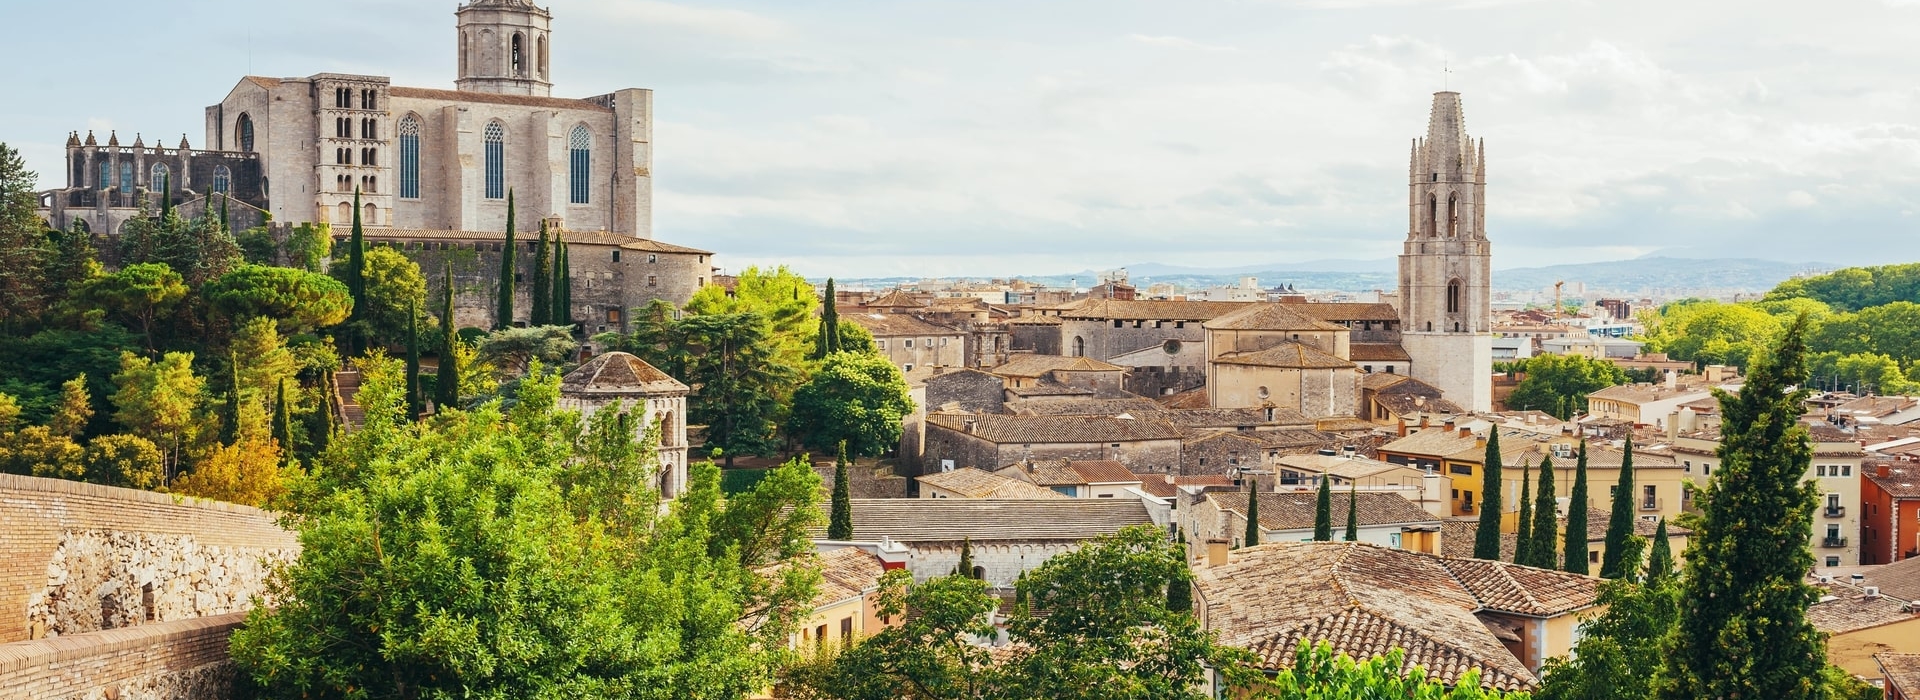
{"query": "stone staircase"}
(346, 386)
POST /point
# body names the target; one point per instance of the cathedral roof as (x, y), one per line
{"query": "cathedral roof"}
(495, 98)
(1271, 317)
(618, 373)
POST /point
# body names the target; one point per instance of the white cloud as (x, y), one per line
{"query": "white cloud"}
(1175, 42)
(657, 14)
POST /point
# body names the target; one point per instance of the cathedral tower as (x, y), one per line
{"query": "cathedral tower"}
(1446, 311)
(503, 47)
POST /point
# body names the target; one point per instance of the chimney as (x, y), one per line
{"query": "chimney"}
(1464, 430)
(1673, 379)
(1216, 552)
(1448, 425)
(970, 424)
(1423, 421)
(1403, 427)
(1479, 441)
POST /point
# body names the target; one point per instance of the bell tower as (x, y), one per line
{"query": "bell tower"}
(503, 47)
(1446, 310)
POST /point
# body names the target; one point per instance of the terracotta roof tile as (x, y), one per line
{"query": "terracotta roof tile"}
(1147, 310)
(1271, 317)
(1295, 510)
(618, 373)
(1234, 417)
(1378, 352)
(1140, 406)
(1851, 610)
(992, 519)
(1902, 672)
(900, 325)
(1103, 472)
(974, 483)
(1338, 311)
(1004, 430)
(1286, 355)
(845, 573)
(1040, 365)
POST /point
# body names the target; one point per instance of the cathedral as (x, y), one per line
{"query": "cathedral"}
(433, 170)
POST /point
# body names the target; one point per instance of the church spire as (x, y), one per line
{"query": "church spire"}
(1445, 297)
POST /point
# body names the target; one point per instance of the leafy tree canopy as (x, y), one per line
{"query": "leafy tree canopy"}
(298, 300)
(1559, 384)
(854, 398)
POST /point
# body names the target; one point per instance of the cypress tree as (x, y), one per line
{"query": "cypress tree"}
(1546, 524)
(356, 277)
(166, 196)
(1486, 542)
(446, 385)
(829, 341)
(1323, 510)
(1576, 545)
(230, 430)
(283, 420)
(1620, 523)
(1660, 562)
(966, 558)
(1743, 630)
(1251, 536)
(1523, 542)
(415, 402)
(562, 314)
(503, 304)
(226, 224)
(329, 414)
(1353, 513)
(840, 523)
(542, 291)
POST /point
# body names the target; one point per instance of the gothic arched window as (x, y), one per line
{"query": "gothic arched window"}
(245, 129)
(1453, 216)
(158, 179)
(106, 175)
(580, 161)
(126, 176)
(409, 158)
(519, 57)
(1433, 216)
(222, 179)
(1454, 294)
(496, 142)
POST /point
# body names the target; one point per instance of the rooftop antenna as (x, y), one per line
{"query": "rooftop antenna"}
(1446, 75)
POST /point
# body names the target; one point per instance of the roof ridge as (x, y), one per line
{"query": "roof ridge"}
(1416, 633)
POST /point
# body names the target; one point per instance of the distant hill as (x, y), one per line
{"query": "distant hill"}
(1643, 274)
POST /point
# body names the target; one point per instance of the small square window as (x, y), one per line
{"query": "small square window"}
(616, 256)
(653, 280)
(909, 342)
(653, 258)
(1833, 562)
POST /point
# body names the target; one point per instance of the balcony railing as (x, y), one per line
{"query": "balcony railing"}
(1836, 511)
(1466, 507)
(1653, 503)
(1835, 542)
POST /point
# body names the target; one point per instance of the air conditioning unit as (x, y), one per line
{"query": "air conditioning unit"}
(1824, 579)
(1650, 518)
(1872, 591)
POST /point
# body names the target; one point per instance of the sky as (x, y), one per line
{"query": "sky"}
(868, 138)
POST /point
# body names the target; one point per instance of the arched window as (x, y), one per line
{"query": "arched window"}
(496, 142)
(245, 129)
(543, 57)
(158, 179)
(369, 99)
(465, 42)
(409, 158)
(1433, 216)
(580, 159)
(106, 175)
(126, 176)
(370, 156)
(346, 213)
(373, 215)
(222, 179)
(1453, 215)
(519, 57)
(1079, 346)
(1454, 292)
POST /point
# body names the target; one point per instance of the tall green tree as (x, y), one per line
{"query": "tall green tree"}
(1559, 384)
(1546, 523)
(858, 400)
(1576, 544)
(562, 294)
(1486, 542)
(1743, 629)
(840, 523)
(828, 340)
(416, 403)
(141, 292)
(1660, 561)
(1523, 542)
(283, 420)
(930, 655)
(965, 567)
(446, 386)
(23, 251)
(1620, 647)
(731, 362)
(1252, 535)
(1620, 522)
(393, 287)
(541, 288)
(230, 415)
(299, 301)
(356, 273)
(158, 401)
(1322, 510)
(1353, 512)
(503, 295)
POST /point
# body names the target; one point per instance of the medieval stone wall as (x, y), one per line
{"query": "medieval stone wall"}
(180, 660)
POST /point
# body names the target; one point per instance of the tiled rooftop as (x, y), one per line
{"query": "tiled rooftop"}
(985, 519)
(969, 482)
(1295, 510)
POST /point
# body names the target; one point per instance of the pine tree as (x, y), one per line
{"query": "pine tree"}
(503, 304)
(1620, 523)
(415, 405)
(1252, 535)
(1546, 523)
(1660, 562)
(1353, 512)
(840, 523)
(1576, 544)
(283, 420)
(1523, 541)
(562, 313)
(230, 416)
(1323, 510)
(966, 558)
(446, 387)
(1743, 629)
(356, 277)
(542, 288)
(1486, 542)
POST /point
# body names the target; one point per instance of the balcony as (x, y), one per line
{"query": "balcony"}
(1466, 507)
(1833, 542)
(1653, 504)
(1835, 511)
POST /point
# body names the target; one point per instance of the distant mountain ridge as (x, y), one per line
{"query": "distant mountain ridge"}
(1640, 274)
